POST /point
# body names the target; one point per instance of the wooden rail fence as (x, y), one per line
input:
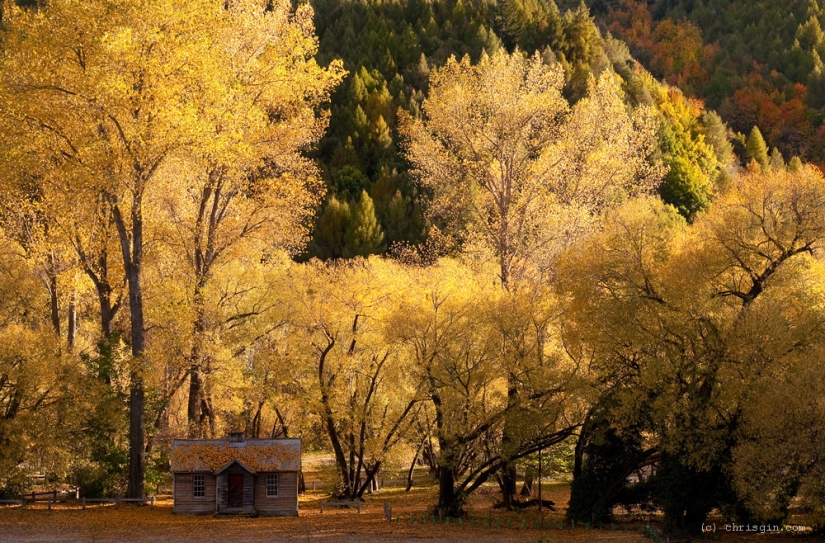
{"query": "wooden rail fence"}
(33, 498)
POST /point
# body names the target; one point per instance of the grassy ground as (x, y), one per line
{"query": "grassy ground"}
(66, 523)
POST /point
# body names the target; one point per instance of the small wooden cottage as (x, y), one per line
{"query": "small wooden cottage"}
(236, 476)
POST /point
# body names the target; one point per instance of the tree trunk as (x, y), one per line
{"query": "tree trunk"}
(195, 414)
(507, 476)
(329, 422)
(132, 249)
(581, 443)
(449, 504)
(284, 428)
(527, 487)
(410, 481)
(55, 303)
(137, 401)
(71, 333)
(254, 429)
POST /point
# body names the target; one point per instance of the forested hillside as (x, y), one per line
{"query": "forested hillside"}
(757, 62)
(389, 48)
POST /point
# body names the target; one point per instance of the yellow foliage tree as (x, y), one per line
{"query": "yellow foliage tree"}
(689, 328)
(104, 98)
(515, 171)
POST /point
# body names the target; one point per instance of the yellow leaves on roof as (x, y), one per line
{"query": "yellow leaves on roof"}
(213, 456)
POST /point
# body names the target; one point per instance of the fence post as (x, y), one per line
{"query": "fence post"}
(83, 501)
(50, 504)
(153, 503)
(55, 494)
(117, 503)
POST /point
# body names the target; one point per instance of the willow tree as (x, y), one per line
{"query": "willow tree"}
(516, 173)
(463, 339)
(107, 95)
(355, 384)
(687, 330)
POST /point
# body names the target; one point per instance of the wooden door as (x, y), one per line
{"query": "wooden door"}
(235, 490)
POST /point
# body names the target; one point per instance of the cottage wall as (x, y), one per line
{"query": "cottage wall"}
(185, 502)
(287, 501)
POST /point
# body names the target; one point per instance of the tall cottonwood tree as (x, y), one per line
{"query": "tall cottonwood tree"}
(108, 94)
(516, 173)
(248, 190)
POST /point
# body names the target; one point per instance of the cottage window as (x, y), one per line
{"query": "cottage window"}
(199, 486)
(272, 485)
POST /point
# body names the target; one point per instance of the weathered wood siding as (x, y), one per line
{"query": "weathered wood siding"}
(287, 501)
(186, 502)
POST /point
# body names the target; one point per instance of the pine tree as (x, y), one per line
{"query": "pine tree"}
(330, 232)
(357, 90)
(363, 234)
(777, 160)
(381, 133)
(715, 133)
(757, 148)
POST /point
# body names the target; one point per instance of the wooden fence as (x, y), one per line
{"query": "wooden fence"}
(56, 496)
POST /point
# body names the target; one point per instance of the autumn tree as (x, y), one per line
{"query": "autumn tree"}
(679, 322)
(463, 339)
(247, 189)
(44, 396)
(359, 389)
(120, 91)
(515, 172)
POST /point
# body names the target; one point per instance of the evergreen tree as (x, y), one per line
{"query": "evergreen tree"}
(685, 186)
(715, 133)
(350, 182)
(777, 160)
(328, 240)
(363, 234)
(757, 148)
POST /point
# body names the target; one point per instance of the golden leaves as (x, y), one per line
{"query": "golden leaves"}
(211, 456)
(514, 170)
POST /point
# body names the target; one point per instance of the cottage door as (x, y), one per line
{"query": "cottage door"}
(235, 490)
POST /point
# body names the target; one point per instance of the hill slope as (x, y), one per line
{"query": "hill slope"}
(758, 62)
(389, 49)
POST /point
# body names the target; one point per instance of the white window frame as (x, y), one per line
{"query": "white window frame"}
(199, 478)
(272, 481)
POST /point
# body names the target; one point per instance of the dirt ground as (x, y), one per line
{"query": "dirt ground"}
(99, 524)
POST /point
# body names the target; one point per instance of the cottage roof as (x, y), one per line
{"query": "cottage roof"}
(211, 455)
